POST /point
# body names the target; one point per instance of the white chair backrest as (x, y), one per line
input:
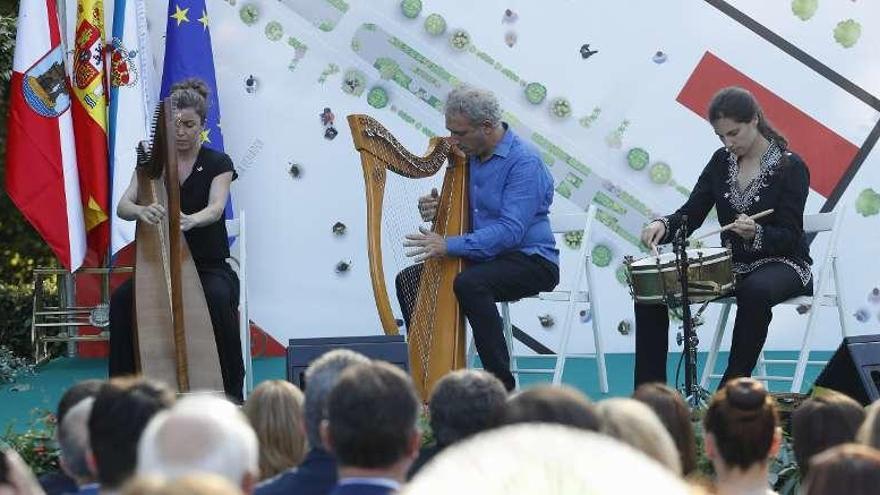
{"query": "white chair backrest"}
(575, 222)
(819, 222)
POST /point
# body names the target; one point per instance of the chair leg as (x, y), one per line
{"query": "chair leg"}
(716, 344)
(562, 352)
(838, 290)
(762, 368)
(471, 351)
(508, 338)
(804, 354)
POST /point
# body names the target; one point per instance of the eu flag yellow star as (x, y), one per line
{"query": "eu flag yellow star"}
(204, 19)
(180, 14)
(203, 137)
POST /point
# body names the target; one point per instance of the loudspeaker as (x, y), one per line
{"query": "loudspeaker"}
(301, 352)
(854, 369)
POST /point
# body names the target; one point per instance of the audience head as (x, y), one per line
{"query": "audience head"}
(550, 459)
(194, 484)
(673, 412)
(371, 419)
(463, 403)
(202, 433)
(320, 378)
(75, 394)
(551, 404)
(869, 432)
(741, 425)
(121, 411)
(850, 469)
(275, 410)
(73, 442)
(635, 424)
(823, 421)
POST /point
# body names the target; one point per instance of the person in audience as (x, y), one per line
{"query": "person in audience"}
(57, 482)
(16, 478)
(201, 433)
(316, 475)
(121, 411)
(741, 436)
(551, 404)
(848, 469)
(545, 459)
(869, 432)
(371, 428)
(670, 407)
(463, 403)
(275, 410)
(823, 421)
(635, 424)
(194, 484)
(73, 442)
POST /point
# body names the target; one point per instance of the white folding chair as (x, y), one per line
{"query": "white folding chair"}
(822, 296)
(570, 293)
(236, 227)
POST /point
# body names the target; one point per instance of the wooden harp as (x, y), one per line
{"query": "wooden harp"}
(174, 336)
(436, 335)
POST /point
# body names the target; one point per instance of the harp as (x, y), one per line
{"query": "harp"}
(174, 336)
(436, 334)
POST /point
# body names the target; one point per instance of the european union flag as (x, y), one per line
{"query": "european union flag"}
(188, 54)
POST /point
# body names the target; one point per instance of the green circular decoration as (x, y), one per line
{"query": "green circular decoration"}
(560, 108)
(387, 67)
(535, 93)
(354, 82)
(377, 97)
(660, 173)
(620, 275)
(804, 9)
(847, 33)
(274, 30)
(249, 14)
(573, 239)
(638, 158)
(411, 8)
(601, 255)
(435, 25)
(459, 39)
(868, 203)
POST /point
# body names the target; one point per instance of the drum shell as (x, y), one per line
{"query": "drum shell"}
(708, 278)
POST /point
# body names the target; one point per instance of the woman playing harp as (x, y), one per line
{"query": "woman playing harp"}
(205, 176)
(510, 249)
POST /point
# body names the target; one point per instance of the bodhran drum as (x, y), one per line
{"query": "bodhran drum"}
(654, 279)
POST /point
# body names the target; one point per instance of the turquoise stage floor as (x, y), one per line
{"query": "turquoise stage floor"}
(42, 390)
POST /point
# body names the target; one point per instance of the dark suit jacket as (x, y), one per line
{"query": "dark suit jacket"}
(362, 489)
(316, 475)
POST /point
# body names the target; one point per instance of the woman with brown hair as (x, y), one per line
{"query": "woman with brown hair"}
(675, 416)
(850, 469)
(742, 435)
(826, 420)
(275, 411)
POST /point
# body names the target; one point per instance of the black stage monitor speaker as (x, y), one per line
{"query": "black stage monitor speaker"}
(301, 352)
(854, 369)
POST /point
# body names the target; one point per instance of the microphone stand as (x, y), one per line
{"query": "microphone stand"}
(695, 396)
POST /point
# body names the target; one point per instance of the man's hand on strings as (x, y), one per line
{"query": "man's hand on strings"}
(426, 245)
(151, 214)
(428, 206)
(744, 227)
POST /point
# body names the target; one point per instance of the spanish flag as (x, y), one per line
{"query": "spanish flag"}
(90, 123)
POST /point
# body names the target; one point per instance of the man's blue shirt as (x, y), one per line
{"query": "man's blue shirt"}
(510, 197)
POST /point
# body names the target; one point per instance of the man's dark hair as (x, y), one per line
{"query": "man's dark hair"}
(371, 415)
(464, 403)
(822, 422)
(552, 404)
(122, 409)
(76, 393)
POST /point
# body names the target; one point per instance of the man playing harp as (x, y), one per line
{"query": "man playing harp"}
(510, 247)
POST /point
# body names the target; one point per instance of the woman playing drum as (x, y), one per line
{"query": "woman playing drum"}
(754, 171)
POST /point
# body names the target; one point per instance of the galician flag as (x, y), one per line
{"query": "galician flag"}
(41, 173)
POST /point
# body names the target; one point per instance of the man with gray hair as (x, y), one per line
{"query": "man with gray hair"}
(73, 441)
(201, 433)
(510, 244)
(316, 475)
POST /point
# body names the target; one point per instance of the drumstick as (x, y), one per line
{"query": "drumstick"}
(730, 225)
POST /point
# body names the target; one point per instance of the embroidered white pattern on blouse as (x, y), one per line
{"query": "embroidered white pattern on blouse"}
(741, 200)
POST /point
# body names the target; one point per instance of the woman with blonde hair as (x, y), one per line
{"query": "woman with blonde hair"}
(634, 423)
(275, 410)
